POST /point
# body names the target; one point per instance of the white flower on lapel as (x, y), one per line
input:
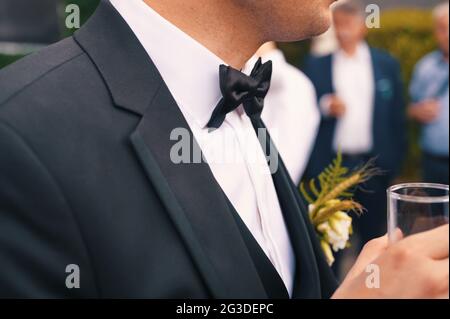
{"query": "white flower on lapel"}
(337, 230)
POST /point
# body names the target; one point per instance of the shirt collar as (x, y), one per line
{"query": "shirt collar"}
(190, 70)
(279, 62)
(276, 56)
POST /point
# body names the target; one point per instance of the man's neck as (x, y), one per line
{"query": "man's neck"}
(220, 26)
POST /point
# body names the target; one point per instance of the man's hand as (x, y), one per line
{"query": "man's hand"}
(424, 112)
(336, 107)
(414, 267)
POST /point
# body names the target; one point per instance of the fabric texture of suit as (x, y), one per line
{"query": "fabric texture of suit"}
(86, 179)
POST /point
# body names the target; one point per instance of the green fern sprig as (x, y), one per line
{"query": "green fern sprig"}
(336, 182)
(332, 176)
(331, 200)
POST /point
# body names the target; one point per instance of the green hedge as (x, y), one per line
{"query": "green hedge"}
(407, 34)
(7, 59)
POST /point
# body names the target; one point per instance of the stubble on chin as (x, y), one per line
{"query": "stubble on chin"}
(291, 20)
(307, 18)
(309, 26)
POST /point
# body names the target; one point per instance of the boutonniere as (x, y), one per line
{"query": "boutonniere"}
(330, 199)
(384, 86)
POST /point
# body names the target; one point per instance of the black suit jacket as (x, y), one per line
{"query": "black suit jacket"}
(86, 179)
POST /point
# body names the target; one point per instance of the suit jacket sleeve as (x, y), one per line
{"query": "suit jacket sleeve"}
(39, 236)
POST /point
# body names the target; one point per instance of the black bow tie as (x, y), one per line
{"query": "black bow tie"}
(238, 88)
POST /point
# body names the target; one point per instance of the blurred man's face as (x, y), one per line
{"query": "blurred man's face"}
(289, 20)
(350, 28)
(442, 33)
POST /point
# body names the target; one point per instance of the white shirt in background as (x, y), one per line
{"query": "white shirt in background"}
(353, 81)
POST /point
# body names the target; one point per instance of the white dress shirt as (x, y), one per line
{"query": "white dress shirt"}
(353, 81)
(290, 111)
(191, 73)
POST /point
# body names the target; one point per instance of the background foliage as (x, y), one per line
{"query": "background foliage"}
(87, 7)
(405, 33)
(7, 59)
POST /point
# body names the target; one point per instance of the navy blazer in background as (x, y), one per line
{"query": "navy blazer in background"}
(389, 121)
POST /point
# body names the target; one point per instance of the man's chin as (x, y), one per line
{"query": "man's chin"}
(324, 26)
(319, 25)
(332, 2)
(323, 20)
(317, 22)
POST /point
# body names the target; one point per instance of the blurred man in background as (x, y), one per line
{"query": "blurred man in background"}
(290, 110)
(361, 100)
(430, 102)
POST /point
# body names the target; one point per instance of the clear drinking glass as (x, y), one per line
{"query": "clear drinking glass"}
(416, 207)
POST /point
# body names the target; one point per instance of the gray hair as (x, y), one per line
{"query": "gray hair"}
(353, 7)
(441, 10)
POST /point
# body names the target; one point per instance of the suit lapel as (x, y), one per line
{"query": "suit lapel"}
(196, 204)
(307, 277)
(192, 197)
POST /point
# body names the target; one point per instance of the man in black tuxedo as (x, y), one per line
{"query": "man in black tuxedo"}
(88, 187)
